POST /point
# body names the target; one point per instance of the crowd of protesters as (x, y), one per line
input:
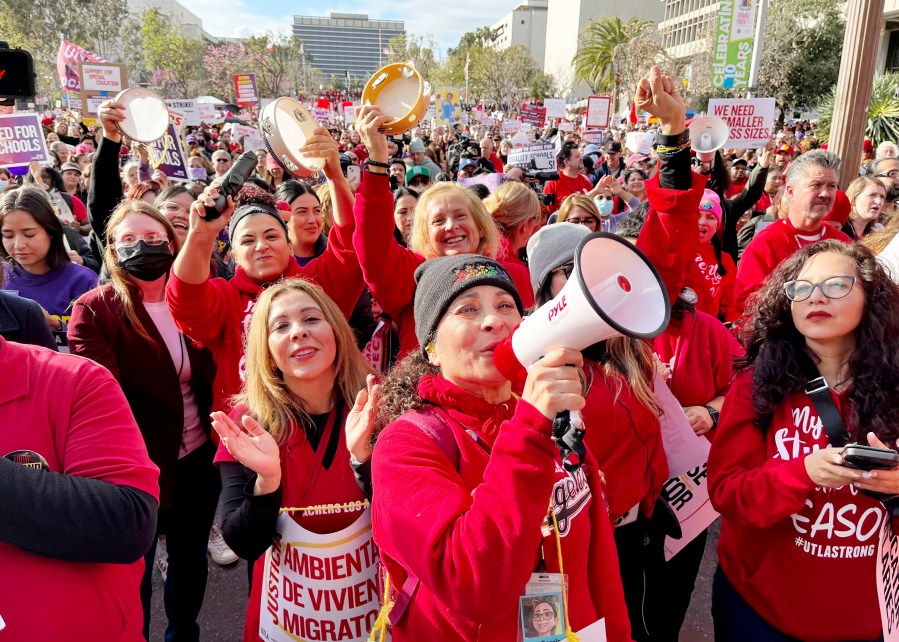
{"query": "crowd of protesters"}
(316, 364)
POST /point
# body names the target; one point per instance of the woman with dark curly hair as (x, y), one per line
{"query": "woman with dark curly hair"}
(794, 517)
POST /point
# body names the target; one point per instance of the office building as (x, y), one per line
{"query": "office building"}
(346, 43)
(687, 26)
(565, 20)
(182, 19)
(526, 26)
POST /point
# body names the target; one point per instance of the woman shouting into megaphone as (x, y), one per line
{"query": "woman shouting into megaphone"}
(475, 516)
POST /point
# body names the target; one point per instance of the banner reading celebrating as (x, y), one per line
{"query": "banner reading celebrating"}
(732, 54)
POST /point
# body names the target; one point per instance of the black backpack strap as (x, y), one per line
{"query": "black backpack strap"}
(819, 392)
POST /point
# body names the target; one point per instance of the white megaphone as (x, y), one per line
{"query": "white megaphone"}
(614, 290)
(708, 134)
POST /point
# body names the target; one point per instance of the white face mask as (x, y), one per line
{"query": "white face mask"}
(604, 206)
(3, 183)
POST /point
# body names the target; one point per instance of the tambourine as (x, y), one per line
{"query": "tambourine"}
(146, 114)
(399, 91)
(286, 126)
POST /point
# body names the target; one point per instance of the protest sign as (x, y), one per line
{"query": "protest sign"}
(688, 497)
(349, 114)
(189, 108)
(594, 136)
(683, 448)
(566, 126)
(599, 109)
(206, 112)
(489, 121)
(100, 81)
(640, 142)
(447, 107)
(520, 139)
(543, 153)
(888, 581)
(533, 115)
(316, 583)
(67, 60)
(511, 126)
(733, 39)
(245, 91)
(252, 143)
(22, 140)
(177, 119)
(751, 120)
(490, 181)
(241, 131)
(555, 107)
(169, 152)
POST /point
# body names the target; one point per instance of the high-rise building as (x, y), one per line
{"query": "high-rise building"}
(565, 20)
(525, 25)
(346, 43)
(888, 55)
(687, 26)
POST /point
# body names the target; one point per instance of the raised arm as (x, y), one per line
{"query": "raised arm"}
(105, 189)
(387, 267)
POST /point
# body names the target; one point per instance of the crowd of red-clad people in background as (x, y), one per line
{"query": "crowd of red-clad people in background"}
(309, 378)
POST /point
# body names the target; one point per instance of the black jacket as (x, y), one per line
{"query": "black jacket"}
(22, 321)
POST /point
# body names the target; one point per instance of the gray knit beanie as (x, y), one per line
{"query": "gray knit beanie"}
(442, 279)
(552, 246)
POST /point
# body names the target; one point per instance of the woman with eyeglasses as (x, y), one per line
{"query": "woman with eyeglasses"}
(125, 326)
(794, 516)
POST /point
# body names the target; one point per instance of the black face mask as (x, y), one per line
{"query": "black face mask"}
(146, 262)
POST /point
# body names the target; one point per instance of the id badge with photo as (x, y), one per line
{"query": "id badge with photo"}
(541, 609)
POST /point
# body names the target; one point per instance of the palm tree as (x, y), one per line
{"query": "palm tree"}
(600, 48)
(883, 111)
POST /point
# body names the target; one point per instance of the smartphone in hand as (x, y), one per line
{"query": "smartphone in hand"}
(863, 457)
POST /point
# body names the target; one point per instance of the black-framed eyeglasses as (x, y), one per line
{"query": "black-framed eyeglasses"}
(835, 287)
(566, 269)
(588, 222)
(544, 615)
(893, 173)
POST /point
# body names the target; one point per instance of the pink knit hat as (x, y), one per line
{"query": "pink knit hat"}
(711, 203)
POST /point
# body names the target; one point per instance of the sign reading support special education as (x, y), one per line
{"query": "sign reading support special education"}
(732, 51)
(100, 81)
(245, 92)
(750, 120)
(22, 140)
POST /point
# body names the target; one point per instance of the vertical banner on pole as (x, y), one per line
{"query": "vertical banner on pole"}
(732, 53)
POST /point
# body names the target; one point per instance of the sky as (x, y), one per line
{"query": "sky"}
(244, 18)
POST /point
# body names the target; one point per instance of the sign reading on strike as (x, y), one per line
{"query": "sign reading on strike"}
(188, 108)
(750, 119)
(21, 140)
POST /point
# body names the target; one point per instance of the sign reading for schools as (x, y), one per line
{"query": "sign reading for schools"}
(732, 51)
(21, 140)
(522, 156)
(750, 120)
(168, 149)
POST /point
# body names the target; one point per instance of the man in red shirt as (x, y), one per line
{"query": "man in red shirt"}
(571, 181)
(811, 187)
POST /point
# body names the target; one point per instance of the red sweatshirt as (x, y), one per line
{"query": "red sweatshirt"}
(716, 295)
(670, 234)
(389, 268)
(472, 533)
(624, 436)
(801, 555)
(768, 249)
(565, 187)
(700, 351)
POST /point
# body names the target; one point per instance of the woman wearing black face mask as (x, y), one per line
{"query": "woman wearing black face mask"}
(126, 326)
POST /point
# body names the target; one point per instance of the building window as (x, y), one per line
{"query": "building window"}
(892, 61)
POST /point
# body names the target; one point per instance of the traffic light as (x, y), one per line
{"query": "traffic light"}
(16, 73)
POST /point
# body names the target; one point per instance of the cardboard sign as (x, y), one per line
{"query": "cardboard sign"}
(555, 107)
(318, 583)
(599, 110)
(888, 581)
(190, 109)
(751, 120)
(522, 156)
(100, 81)
(533, 115)
(595, 136)
(22, 140)
(169, 150)
(245, 91)
(640, 142)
